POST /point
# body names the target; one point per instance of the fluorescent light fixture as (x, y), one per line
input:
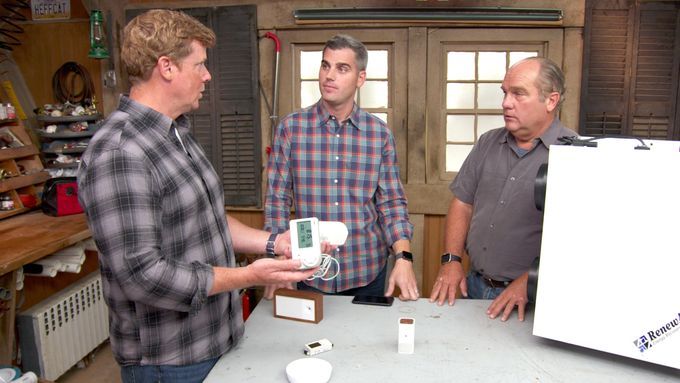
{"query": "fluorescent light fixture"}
(496, 15)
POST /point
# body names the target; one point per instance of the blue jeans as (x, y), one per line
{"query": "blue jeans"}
(167, 374)
(375, 288)
(478, 289)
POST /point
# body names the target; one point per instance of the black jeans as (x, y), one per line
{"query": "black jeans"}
(375, 288)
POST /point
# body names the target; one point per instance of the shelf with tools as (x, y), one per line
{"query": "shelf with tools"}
(64, 139)
(21, 172)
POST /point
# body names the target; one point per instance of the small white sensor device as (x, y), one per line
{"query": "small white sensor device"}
(407, 332)
(304, 238)
(318, 347)
(333, 232)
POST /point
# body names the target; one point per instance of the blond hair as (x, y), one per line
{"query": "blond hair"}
(156, 33)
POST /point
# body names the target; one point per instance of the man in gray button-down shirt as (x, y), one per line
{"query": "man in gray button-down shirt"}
(492, 216)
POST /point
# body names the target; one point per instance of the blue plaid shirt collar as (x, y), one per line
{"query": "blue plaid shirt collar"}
(323, 117)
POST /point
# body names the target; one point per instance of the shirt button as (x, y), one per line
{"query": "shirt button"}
(337, 158)
(491, 226)
(512, 178)
(502, 202)
(337, 203)
(337, 135)
(335, 181)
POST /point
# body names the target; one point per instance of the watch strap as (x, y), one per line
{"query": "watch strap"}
(270, 245)
(448, 257)
(404, 255)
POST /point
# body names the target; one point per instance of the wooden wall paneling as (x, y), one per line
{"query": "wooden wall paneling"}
(434, 247)
(7, 314)
(46, 47)
(572, 68)
(417, 78)
(418, 248)
(252, 218)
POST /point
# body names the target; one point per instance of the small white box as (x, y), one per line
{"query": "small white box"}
(407, 333)
(305, 306)
(318, 347)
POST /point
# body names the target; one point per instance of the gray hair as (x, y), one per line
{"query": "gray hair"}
(346, 41)
(550, 78)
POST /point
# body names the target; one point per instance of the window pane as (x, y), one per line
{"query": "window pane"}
(310, 62)
(460, 66)
(455, 155)
(309, 93)
(516, 56)
(377, 64)
(486, 123)
(460, 128)
(491, 65)
(373, 94)
(460, 96)
(382, 116)
(489, 96)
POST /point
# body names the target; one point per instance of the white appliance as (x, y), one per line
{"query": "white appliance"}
(61, 330)
(610, 254)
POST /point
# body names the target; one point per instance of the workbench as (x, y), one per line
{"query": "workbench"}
(452, 344)
(24, 239)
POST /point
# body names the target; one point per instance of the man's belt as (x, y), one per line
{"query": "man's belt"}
(492, 282)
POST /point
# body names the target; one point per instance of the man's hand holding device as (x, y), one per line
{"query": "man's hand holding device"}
(310, 239)
(305, 242)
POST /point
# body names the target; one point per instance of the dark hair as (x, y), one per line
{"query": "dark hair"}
(346, 41)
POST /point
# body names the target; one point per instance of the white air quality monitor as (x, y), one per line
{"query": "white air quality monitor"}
(304, 238)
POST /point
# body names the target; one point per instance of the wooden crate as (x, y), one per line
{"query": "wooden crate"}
(24, 172)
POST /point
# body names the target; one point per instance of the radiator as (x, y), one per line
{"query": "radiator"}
(58, 332)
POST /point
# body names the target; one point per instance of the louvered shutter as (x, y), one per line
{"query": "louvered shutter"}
(227, 124)
(605, 61)
(202, 118)
(655, 85)
(630, 69)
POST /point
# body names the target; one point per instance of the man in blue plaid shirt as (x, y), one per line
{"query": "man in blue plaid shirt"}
(337, 162)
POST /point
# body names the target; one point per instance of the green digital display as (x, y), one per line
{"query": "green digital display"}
(304, 231)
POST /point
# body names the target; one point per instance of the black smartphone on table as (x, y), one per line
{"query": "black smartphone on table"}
(373, 300)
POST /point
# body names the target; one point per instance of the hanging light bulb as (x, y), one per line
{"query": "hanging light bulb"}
(97, 38)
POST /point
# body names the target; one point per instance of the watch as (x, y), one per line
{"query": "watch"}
(270, 245)
(404, 255)
(448, 257)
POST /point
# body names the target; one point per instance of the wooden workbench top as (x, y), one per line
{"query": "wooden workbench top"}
(28, 237)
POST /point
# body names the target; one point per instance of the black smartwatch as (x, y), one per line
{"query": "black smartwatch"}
(404, 255)
(448, 257)
(270, 245)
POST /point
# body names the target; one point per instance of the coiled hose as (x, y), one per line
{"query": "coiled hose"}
(65, 84)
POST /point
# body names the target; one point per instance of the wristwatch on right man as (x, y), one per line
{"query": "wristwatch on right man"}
(448, 258)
